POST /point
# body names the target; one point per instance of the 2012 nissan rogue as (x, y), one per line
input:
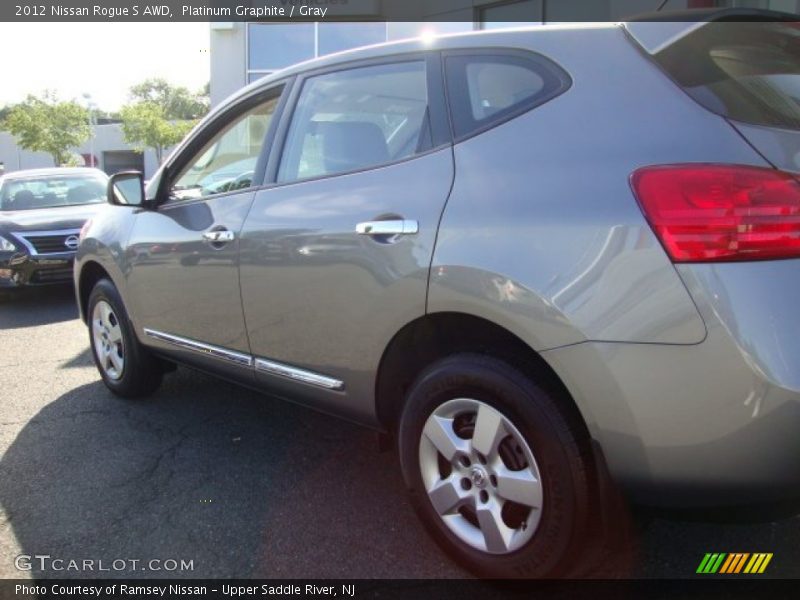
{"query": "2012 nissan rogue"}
(533, 256)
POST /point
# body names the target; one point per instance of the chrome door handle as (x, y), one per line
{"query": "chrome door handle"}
(219, 237)
(394, 227)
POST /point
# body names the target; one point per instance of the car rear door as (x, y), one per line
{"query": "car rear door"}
(335, 253)
(184, 255)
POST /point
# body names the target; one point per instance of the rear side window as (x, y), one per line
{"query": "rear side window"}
(749, 72)
(489, 88)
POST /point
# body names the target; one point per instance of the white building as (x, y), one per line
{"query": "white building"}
(110, 151)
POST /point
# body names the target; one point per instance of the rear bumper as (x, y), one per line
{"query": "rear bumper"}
(23, 270)
(716, 423)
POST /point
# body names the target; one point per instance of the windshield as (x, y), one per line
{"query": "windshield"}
(51, 191)
(749, 72)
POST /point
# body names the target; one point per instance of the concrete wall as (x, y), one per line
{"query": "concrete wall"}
(228, 59)
(15, 159)
(106, 138)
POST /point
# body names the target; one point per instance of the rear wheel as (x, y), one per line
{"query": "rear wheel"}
(127, 368)
(497, 469)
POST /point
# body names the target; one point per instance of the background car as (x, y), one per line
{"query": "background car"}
(542, 260)
(42, 212)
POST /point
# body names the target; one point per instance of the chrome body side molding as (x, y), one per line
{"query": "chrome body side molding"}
(309, 377)
(244, 360)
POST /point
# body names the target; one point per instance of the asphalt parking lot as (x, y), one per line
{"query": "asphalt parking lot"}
(240, 484)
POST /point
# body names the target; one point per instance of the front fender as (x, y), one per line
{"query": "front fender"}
(104, 244)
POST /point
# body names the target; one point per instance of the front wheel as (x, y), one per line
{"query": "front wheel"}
(497, 469)
(127, 368)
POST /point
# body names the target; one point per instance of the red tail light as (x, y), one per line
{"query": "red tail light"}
(705, 212)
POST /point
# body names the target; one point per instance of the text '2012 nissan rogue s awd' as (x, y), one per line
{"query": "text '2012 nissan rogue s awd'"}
(533, 256)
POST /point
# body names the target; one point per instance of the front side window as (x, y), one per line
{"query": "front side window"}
(52, 191)
(356, 119)
(228, 161)
(487, 89)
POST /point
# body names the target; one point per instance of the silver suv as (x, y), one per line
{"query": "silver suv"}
(534, 257)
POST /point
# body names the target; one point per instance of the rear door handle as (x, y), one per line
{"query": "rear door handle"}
(393, 227)
(219, 237)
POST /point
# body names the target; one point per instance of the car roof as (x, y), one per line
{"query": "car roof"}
(51, 172)
(472, 39)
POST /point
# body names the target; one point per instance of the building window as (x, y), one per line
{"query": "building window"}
(337, 37)
(402, 30)
(274, 46)
(512, 14)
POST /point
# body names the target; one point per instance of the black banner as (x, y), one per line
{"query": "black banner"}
(144, 589)
(523, 11)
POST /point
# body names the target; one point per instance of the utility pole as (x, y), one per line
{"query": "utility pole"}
(91, 106)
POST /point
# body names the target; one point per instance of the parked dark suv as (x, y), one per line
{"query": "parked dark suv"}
(533, 256)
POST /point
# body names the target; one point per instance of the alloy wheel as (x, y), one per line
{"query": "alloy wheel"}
(108, 342)
(481, 476)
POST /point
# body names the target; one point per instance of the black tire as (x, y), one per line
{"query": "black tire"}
(560, 446)
(142, 372)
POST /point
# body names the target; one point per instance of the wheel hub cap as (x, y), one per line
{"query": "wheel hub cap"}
(479, 477)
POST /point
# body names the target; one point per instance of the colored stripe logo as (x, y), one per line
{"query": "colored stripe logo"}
(734, 563)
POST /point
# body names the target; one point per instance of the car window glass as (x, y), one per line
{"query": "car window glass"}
(52, 191)
(355, 119)
(749, 72)
(228, 161)
(486, 89)
(494, 87)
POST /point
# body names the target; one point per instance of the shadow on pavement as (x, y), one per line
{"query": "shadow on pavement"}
(245, 485)
(30, 307)
(241, 484)
(82, 359)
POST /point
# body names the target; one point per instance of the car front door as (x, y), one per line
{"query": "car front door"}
(184, 255)
(336, 251)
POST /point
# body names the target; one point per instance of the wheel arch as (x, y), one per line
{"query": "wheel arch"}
(91, 272)
(437, 335)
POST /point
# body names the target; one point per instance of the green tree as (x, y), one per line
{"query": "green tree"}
(160, 115)
(50, 125)
(145, 125)
(178, 102)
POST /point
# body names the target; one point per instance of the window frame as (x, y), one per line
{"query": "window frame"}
(437, 107)
(207, 131)
(504, 116)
